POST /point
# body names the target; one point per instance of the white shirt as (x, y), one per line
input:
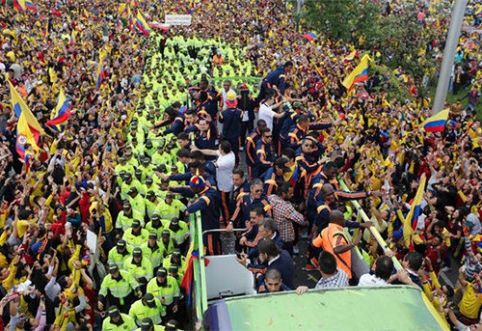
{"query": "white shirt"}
(224, 171)
(371, 280)
(266, 113)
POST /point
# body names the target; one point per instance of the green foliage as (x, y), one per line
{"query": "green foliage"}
(361, 23)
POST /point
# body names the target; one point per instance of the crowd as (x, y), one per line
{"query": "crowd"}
(251, 127)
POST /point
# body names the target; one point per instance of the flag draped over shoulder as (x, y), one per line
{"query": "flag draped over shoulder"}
(436, 123)
(410, 221)
(29, 129)
(61, 113)
(142, 25)
(359, 74)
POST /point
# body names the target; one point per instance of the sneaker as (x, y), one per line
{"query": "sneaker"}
(296, 250)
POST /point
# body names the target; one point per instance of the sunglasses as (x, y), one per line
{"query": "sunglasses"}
(257, 191)
(268, 136)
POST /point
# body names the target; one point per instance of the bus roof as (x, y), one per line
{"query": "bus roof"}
(353, 308)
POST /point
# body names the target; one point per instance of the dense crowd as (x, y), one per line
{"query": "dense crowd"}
(250, 126)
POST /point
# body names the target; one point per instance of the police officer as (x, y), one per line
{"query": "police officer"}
(167, 243)
(136, 235)
(119, 254)
(137, 202)
(119, 287)
(166, 289)
(139, 267)
(118, 321)
(179, 231)
(147, 307)
(156, 225)
(151, 203)
(152, 251)
(125, 217)
(175, 259)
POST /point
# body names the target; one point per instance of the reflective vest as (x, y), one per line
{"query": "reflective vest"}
(138, 312)
(168, 292)
(118, 288)
(134, 240)
(155, 256)
(127, 325)
(138, 271)
(117, 258)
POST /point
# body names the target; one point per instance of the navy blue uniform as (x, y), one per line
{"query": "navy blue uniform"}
(208, 204)
(243, 207)
(274, 78)
(264, 158)
(231, 119)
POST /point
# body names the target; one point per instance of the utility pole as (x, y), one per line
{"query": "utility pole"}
(449, 54)
(299, 3)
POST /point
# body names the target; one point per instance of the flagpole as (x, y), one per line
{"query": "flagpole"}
(449, 55)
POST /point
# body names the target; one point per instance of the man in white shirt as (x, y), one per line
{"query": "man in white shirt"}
(383, 271)
(266, 109)
(224, 168)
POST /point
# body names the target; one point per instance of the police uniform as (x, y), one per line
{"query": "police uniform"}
(124, 323)
(120, 290)
(147, 307)
(136, 235)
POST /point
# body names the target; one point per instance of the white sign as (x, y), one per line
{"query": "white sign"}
(178, 19)
(92, 242)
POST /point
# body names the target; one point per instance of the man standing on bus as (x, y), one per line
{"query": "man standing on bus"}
(334, 240)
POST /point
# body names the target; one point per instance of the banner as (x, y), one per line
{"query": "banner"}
(178, 19)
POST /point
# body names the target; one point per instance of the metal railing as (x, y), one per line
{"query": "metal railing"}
(381, 242)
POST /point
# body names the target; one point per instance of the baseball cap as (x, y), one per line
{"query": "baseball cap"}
(121, 243)
(137, 252)
(126, 205)
(175, 221)
(114, 312)
(122, 159)
(165, 233)
(147, 325)
(136, 223)
(231, 101)
(298, 105)
(113, 269)
(173, 269)
(171, 325)
(197, 182)
(281, 163)
(161, 272)
(152, 236)
(149, 299)
(169, 195)
(149, 180)
(155, 217)
(132, 190)
(150, 194)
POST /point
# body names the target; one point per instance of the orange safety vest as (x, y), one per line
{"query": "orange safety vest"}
(327, 240)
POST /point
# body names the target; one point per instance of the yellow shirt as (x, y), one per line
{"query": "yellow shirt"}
(471, 301)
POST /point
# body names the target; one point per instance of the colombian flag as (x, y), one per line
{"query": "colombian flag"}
(28, 128)
(19, 4)
(160, 26)
(359, 74)
(410, 221)
(310, 36)
(29, 4)
(436, 123)
(61, 113)
(100, 75)
(349, 57)
(130, 18)
(142, 25)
